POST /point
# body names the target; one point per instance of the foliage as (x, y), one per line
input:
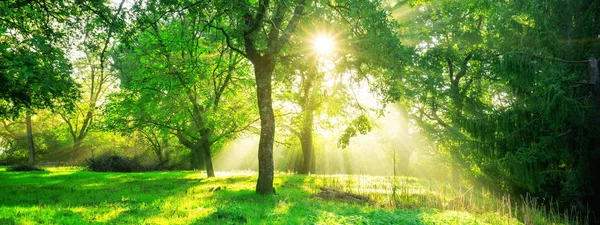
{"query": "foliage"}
(46, 134)
(93, 73)
(34, 72)
(360, 125)
(505, 94)
(23, 168)
(317, 92)
(114, 163)
(180, 79)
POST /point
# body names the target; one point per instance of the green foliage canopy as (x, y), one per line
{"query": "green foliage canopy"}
(34, 72)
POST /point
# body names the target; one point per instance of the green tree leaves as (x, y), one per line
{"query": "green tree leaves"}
(499, 87)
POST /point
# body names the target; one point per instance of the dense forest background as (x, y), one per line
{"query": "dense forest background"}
(500, 93)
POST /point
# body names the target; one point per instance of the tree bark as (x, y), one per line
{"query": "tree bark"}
(200, 149)
(30, 143)
(263, 70)
(306, 141)
(205, 147)
(76, 146)
(196, 158)
(210, 172)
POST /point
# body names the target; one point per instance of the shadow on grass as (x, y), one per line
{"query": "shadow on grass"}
(84, 188)
(293, 204)
(83, 197)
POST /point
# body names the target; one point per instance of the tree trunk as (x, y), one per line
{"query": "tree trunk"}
(30, 144)
(160, 151)
(406, 150)
(306, 141)
(76, 147)
(263, 69)
(205, 146)
(403, 160)
(210, 172)
(197, 157)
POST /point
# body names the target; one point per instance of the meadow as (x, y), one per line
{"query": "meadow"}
(72, 195)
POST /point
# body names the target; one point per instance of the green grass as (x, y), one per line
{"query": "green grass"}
(74, 196)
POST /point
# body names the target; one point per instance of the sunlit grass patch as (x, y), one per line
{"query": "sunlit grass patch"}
(64, 169)
(450, 202)
(76, 196)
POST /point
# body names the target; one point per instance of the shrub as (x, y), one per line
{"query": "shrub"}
(23, 167)
(114, 163)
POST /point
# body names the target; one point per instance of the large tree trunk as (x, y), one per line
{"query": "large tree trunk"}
(263, 69)
(30, 144)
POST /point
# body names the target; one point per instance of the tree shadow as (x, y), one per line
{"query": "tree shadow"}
(87, 197)
(294, 204)
(180, 197)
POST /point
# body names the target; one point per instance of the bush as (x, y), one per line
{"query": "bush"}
(114, 163)
(23, 167)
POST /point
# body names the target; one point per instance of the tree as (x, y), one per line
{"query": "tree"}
(92, 72)
(358, 37)
(30, 143)
(179, 76)
(259, 31)
(33, 69)
(485, 88)
(303, 88)
(41, 132)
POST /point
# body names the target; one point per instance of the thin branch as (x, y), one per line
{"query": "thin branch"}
(298, 12)
(228, 40)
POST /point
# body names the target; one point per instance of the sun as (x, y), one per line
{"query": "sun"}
(323, 45)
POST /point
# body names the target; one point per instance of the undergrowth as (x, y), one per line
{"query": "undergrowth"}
(23, 168)
(409, 192)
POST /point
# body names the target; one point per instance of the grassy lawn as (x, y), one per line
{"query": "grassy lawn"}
(74, 196)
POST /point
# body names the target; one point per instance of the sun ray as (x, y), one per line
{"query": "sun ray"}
(323, 45)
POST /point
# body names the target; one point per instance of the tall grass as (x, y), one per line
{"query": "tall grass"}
(410, 192)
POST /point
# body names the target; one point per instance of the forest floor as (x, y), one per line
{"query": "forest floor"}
(70, 195)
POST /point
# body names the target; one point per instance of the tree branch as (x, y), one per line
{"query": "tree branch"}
(298, 12)
(228, 41)
(463, 69)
